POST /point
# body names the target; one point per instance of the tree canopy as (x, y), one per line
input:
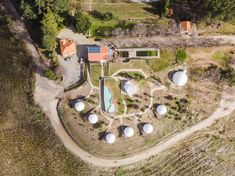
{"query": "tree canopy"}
(50, 29)
(82, 23)
(203, 9)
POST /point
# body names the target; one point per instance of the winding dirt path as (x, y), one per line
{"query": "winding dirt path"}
(49, 106)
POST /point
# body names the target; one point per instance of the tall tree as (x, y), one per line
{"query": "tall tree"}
(27, 10)
(50, 29)
(82, 23)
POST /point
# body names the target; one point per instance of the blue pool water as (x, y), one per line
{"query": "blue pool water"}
(108, 105)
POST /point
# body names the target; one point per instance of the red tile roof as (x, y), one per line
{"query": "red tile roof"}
(102, 55)
(185, 26)
(67, 47)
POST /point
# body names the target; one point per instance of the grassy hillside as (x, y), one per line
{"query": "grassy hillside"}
(28, 145)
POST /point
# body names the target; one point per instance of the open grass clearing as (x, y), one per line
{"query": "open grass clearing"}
(166, 59)
(95, 70)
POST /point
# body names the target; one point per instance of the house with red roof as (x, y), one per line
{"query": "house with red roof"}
(67, 47)
(99, 54)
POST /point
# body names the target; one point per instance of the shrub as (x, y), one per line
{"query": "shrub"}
(102, 16)
(51, 75)
(181, 55)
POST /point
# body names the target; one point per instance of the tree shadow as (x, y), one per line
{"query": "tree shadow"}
(157, 8)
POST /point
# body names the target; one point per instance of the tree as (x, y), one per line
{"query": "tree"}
(27, 10)
(82, 23)
(197, 10)
(49, 29)
(56, 6)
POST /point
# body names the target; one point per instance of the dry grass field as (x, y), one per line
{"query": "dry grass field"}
(27, 141)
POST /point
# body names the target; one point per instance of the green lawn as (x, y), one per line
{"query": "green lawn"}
(95, 70)
(166, 59)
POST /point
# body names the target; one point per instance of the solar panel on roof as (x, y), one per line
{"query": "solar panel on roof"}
(94, 49)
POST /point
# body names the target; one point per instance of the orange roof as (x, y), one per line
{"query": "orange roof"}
(185, 26)
(67, 47)
(98, 53)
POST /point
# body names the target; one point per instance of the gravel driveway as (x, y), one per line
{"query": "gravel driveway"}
(72, 69)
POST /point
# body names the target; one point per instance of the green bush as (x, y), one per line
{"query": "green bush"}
(51, 75)
(181, 55)
(82, 23)
(102, 16)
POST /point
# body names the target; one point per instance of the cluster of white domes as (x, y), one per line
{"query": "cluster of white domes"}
(147, 128)
(92, 118)
(128, 132)
(180, 78)
(161, 109)
(79, 106)
(130, 88)
(110, 138)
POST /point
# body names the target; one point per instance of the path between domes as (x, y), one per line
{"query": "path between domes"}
(46, 98)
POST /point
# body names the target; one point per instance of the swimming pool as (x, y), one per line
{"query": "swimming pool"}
(108, 105)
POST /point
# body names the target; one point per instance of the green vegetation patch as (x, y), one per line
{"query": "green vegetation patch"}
(95, 71)
(114, 87)
(222, 58)
(181, 55)
(146, 53)
(166, 59)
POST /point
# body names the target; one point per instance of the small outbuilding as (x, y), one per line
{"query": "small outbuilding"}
(110, 138)
(128, 132)
(79, 106)
(180, 78)
(67, 47)
(130, 88)
(92, 118)
(185, 27)
(147, 128)
(161, 109)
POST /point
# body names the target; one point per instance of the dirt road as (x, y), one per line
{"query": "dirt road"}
(49, 106)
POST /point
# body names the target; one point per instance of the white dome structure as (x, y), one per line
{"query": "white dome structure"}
(147, 128)
(79, 106)
(161, 109)
(130, 88)
(180, 78)
(128, 132)
(110, 138)
(92, 118)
